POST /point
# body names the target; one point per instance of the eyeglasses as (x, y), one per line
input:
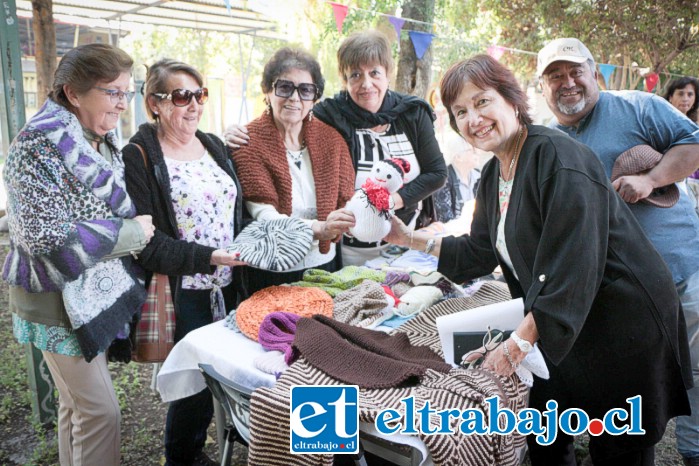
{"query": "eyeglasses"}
(491, 340)
(115, 95)
(182, 97)
(285, 89)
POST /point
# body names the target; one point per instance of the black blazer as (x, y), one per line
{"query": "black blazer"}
(603, 300)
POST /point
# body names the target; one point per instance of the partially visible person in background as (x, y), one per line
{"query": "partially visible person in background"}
(377, 124)
(463, 178)
(296, 165)
(682, 94)
(185, 179)
(72, 226)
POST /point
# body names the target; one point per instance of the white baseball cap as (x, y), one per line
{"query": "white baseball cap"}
(567, 49)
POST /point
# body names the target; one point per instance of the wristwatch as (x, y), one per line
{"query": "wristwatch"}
(429, 246)
(523, 344)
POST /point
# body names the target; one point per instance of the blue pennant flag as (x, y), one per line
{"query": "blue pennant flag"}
(421, 42)
(606, 71)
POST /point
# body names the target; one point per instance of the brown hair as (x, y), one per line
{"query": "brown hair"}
(364, 48)
(484, 72)
(286, 59)
(681, 83)
(158, 75)
(86, 65)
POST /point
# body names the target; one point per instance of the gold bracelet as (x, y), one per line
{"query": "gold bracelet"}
(410, 246)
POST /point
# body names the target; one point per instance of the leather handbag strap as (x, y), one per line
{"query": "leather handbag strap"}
(143, 154)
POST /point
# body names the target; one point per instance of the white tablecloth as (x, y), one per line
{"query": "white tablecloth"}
(230, 353)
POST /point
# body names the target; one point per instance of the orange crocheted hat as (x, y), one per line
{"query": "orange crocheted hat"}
(302, 301)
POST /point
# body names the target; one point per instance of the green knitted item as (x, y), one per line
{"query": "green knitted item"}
(336, 282)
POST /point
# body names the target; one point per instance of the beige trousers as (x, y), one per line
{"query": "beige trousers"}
(89, 420)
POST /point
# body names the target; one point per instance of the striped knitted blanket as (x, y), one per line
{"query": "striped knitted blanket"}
(459, 389)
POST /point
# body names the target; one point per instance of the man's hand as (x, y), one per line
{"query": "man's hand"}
(633, 188)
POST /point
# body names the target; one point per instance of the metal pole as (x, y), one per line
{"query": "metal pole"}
(12, 67)
(43, 401)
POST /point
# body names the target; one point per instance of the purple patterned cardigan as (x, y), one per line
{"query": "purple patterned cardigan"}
(65, 206)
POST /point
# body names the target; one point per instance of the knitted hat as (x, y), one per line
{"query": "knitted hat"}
(418, 299)
(640, 159)
(362, 305)
(301, 301)
(277, 333)
(271, 362)
(276, 245)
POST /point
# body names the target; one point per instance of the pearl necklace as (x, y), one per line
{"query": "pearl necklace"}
(515, 156)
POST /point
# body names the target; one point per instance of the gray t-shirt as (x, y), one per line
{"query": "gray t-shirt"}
(623, 119)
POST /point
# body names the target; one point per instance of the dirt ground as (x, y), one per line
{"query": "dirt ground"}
(143, 414)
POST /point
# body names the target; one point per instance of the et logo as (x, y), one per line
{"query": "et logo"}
(324, 419)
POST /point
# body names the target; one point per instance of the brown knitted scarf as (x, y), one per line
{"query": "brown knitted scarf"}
(367, 358)
(263, 169)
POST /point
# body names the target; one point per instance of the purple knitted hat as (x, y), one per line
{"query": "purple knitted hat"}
(277, 332)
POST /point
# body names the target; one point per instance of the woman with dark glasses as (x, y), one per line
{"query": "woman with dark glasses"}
(377, 123)
(296, 165)
(186, 181)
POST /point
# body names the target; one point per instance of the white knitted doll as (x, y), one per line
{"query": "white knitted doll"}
(372, 204)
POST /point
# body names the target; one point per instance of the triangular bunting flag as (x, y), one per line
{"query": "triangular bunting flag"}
(340, 12)
(397, 23)
(228, 6)
(421, 42)
(606, 71)
(495, 51)
(651, 81)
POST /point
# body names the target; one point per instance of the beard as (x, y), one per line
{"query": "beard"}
(571, 109)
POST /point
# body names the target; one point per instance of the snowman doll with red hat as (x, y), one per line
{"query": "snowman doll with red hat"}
(372, 204)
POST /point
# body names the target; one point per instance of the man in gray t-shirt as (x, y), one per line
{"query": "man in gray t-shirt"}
(611, 123)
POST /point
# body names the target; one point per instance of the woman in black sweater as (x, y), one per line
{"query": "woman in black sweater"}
(184, 178)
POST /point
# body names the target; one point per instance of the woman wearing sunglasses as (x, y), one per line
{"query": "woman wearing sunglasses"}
(186, 181)
(377, 123)
(296, 165)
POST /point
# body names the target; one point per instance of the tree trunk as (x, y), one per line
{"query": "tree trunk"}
(414, 76)
(45, 47)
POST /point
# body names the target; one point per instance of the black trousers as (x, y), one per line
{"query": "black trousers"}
(188, 418)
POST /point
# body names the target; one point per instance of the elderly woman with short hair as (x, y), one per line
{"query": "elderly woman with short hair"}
(377, 123)
(296, 165)
(73, 230)
(184, 178)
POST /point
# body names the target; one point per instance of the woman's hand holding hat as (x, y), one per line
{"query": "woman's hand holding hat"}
(223, 257)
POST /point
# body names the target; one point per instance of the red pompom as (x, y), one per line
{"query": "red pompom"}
(402, 163)
(377, 195)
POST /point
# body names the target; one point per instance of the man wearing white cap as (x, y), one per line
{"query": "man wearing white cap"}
(610, 123)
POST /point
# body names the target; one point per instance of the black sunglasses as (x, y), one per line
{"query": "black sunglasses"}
(285, 89)
(182, 97)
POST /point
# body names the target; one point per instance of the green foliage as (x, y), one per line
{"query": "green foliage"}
(126, 382)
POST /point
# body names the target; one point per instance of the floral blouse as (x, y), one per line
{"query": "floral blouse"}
(203, 197)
